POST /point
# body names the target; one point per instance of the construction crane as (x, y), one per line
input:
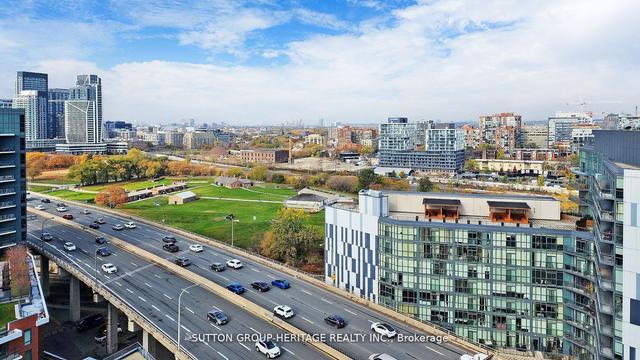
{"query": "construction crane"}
(582, 103)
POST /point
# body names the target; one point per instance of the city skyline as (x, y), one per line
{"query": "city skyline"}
(353, 61)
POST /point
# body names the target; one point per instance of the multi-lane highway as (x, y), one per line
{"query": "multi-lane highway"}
(153, 292)
(310, 303)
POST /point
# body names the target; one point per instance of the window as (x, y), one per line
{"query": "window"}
(409, 296)
(27, 355)
(511, 241)
(27, 337)
(632, 353)
(634, 312)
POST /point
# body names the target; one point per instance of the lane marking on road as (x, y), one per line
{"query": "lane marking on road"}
(170, 318)
(327, 301)
(158, 276)
(187, 291)
(129, 290)
(155, 307)
(289, 351)
(434, 350)
(185, 328)
(254, 330)
(273, 302)
(256, 270)
(167, 296)
(212, 324)
(189, 310)
(350, 312)
(117, 283)
(148, 284)
(215, 307)
(271, 276)
(221, 354)
(141, 298)
(134, 264)
(224, 277)
(306, 292)
(107, 276)
(114, 254)
(307, 320)
(371, 321)
(245, 346)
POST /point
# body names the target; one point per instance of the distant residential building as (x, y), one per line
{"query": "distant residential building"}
(55, 122)
(397, 134)
(515, 166)
(581, 135)
(89, 88)
(472, 136)
(174, 138)
(561, 126)
(315, 139)
(198, 139)
(444, 138)
(504, 130)
(112, 128)
(81, 124)
(536, 135)
(268, 156)
(34, 105)
(620, 122)
(6, 104)
(13, 213)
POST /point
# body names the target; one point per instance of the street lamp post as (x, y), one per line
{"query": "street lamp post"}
(179, 309)
(232, 219)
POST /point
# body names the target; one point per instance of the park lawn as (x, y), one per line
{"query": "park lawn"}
(73, 195)
(7, 314)
(207, 217)
(253, 193)
(39, 188)
(130, 185)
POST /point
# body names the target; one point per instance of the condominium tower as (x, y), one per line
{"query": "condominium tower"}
(13, 220)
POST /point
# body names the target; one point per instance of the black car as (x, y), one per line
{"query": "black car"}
(90, 322)
(103, 251)
(171, 248)
(45, 201)
(169, 239)
(182, 261)
(99, 221)
(217, 267)
(218, 317)
(100, 240)
(260, 286)
(335, 320)
(94, 225)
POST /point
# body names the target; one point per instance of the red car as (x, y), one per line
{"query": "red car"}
(67, 216)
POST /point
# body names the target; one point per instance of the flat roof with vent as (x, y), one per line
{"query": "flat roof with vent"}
(508, 205)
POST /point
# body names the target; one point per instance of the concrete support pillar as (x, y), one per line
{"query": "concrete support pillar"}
(74, 299)
(62, 273)
(44, 274)
(132, 326)
(112, 329)
(149, 343)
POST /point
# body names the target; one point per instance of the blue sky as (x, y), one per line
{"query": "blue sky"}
(269, 61)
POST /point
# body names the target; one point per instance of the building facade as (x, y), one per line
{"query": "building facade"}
(34, 105)
(502, 130)
(55, 122)
(535, 135)
(264, 156)
(504, 271)
(561, 125)
(13, 210)
(89, 88)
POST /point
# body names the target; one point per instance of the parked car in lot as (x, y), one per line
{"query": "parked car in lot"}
(335, 320)
(109, 268)
(268, 348)
(282, 284)
(236, 288)
(46, 236)
(170, 248)
(90, 322)
(217, 317)
(117, 227)
(130, 225)
(196, 248)
(260, 286)
(384, 329)
(101, 334)
(61, 208)
(94, 225)
(85, 212)
(67, 217)
(169, 239)
(217, 267)
(103, 251)
(182, 261)
(101, 240)
(39, 207)
(69, 246)
(234, 264)
(283, 311)
(99, 221)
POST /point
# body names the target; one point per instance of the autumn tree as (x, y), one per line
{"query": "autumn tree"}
(290, 238)
(112, 196)
(258, 172)
(343, 183)
(18, 270)
(234, 172)
(424, 184)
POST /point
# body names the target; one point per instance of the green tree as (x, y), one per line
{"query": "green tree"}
(258, 172)
(540, 181)
(277, 178)
(368, 177)
(471, 165)
(290, 238)
(424, 184)
(235, 172)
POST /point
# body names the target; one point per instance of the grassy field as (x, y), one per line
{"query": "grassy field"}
(72, 195)
(7, 314)
(39, 188)
(253, 193)
(131, 185)
(207, 217)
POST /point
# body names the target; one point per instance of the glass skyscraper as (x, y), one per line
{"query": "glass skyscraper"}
(13, 220)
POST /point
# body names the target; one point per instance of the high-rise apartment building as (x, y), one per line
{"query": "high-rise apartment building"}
(13, 206)
(398, 134)
(89, 88)
(621, 122)
(504, 130)
(81, 124)
(535, 136)
(562, 124)
(35, 106)
(610, 166)
(55, 122)
(6, 103)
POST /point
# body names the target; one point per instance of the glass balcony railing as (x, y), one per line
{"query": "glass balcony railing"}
(7, 191)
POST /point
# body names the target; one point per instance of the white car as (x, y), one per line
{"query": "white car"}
(196, 248)
(86, 212)
(384, 329)
(69, 246)
(109, 268)
(234, 264)
(39, 207)
(381, 357)
(283, 311)
(117, 227)
(61, 208)
(268, 348)
(130, 225)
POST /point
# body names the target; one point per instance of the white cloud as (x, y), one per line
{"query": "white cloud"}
(450, 60)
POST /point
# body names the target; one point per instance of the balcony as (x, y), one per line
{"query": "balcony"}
(8, 217)
(7, 166)
(7, 178)
(605, 307)
(606, 215)
(606, 352)
(605, 329)
(7, 205)
(8, 191)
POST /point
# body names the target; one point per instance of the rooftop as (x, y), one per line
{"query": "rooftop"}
(185, 195)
